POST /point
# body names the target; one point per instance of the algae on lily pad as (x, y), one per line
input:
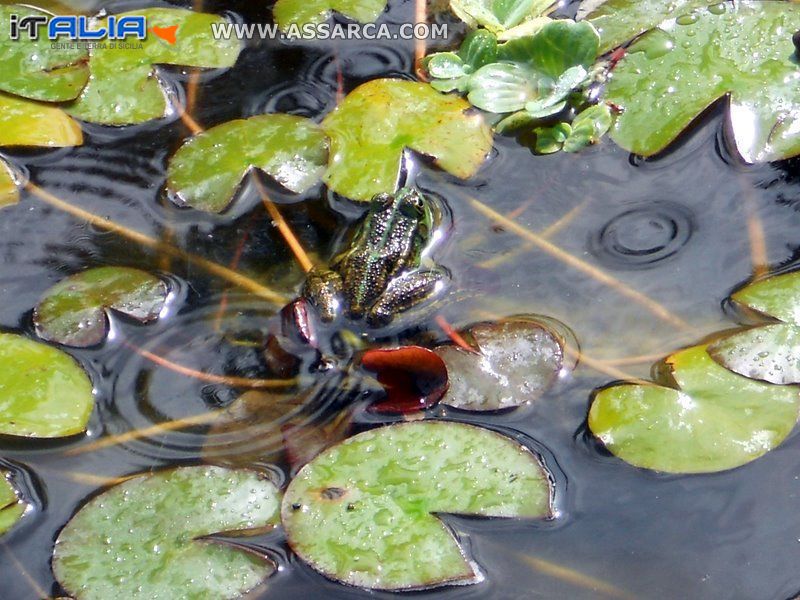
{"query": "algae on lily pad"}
(28, 123)
(378, 120)
(364, 511)
(742, 51)
(73, 312)
(712, 420)
(37, 68)
(124, 87)
(298, 13)
(44, 393)
(516, 361)
(11, 509)
(151, 537)
(206, 171)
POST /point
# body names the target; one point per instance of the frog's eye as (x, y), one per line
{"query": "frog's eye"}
(412, 207)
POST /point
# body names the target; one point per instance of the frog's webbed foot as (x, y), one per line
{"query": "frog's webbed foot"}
(323, 289)
(407, 291)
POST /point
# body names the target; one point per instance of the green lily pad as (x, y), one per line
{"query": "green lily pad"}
(11, 509)
(712, 421)
(619, 21)
(500, 16)
(777, 296)
(73, 312)
(769, 353)
(44, 393)
(206, 171)
(302, 12)
(686, 64)
(374, 124)
(9, 189)
(363, 512)
(37, 69)
(124, 88)
(148, 537)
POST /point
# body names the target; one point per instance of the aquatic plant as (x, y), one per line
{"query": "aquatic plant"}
(288, 13)
(11, 507)
(506, 18)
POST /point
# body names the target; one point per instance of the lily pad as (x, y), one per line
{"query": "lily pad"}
(206, 171)
(303, 12)
(515, 362)
(619, 21)
(124, 87)
(39, 69)
(9, 189)
(743, 51)
(378, 120)
(770, 353)
(73, 312)
(44, 393)
(500, 16)
(364, 512)
(149, 537)
(712, 421)
(11, 509)
(777, 296)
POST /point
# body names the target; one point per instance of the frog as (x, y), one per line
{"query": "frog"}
(385, 271)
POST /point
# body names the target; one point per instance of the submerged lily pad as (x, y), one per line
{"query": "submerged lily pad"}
(363, 512)
(715, 419)
(374, 124)
(686, 64)
(777, 296)
(303, 12)
(73, 312)
(44, 393)
(770, 353)
(11, 509)
(149, 537)
(39, 69)
(503, 16)
(124, 87)
(208, 169)
(515, 362)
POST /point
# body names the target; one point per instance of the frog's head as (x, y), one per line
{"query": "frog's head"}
(413, 205)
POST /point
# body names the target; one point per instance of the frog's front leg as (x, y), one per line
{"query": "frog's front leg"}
(323, 289)
(407, 291)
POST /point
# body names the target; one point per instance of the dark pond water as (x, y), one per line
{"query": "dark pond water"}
(675, 228)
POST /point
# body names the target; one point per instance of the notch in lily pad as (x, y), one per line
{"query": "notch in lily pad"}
(364, 512)
(11, 506)
(515, 361)
(155, 536)
(206, 172)
(46, 394)
(74, 311)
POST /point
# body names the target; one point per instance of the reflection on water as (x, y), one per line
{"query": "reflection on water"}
(674, 228)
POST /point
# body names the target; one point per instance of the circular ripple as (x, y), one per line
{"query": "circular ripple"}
(299, 98)
(643, 236)
(358, 63)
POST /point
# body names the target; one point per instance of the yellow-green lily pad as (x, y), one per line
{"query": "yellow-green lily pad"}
(743, 51)
(206, 171)
(777, 297)
(378, 120)
(11, 508)
(39, 69)
(712, 420)
(44, 393)
(124, 87)
(150, 537)
(73, 312)
(364, 511)
(305, 12)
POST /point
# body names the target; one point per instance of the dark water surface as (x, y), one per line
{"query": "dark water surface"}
(674, 228)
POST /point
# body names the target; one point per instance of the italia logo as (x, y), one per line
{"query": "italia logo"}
(78, 28)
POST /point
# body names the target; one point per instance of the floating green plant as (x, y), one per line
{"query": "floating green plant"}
(73, 312)
(153, 536)
(44, 393)
(509, 18)
(11, 508)
(298, 13)
(364, 512)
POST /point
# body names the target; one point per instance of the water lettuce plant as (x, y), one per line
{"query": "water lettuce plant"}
(364, 512)
(507, 18)
(11, 508)
(124, 87)
(28, 123)
(74, 311)
(154, 536)
(298, 13)
(45, 393)
(743, 52)
(207, 170)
